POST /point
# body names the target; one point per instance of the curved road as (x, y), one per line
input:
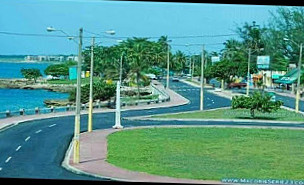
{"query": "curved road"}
(36, 149)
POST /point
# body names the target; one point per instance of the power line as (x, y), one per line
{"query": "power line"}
(197, 44)
(111, 37)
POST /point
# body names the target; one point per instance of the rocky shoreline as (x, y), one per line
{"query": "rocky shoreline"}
(24, 84)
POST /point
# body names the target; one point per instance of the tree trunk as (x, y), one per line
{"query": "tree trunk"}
(223, 85)
(252, 113)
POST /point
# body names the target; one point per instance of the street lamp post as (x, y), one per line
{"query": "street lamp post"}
(202, 80)
(90, 125)
(90, 115)
(168, 64)
(299, 79)
(78, 96)
(76, 143)
(299, 74)
(248, 72)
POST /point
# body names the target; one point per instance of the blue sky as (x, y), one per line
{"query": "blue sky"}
(140, 19)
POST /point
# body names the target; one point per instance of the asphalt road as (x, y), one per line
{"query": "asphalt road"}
(36, 149)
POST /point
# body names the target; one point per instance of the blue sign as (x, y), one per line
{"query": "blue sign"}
(73, 73)
(263, 62)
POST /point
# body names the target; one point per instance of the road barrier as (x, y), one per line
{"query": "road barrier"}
(163, 97)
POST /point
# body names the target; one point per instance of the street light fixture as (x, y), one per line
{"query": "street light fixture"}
(202, 79)
(118, 104)
(299, 73)
(76, 143)
(90, 116)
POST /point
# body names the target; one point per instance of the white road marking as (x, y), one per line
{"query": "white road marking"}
(27, 138)
(52, 125)
(18, 148)
(38, 131)
(8, 159)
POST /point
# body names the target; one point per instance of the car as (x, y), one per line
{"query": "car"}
(175, 79)
(236, 85)
(188, 75)
(151, 76)
(215, 83)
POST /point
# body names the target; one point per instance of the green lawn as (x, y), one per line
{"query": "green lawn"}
(280, 115)
(210, 153)
(135, 98)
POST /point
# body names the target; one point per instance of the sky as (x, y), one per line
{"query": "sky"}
(127, 18)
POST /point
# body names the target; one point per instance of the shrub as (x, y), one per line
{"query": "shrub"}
(258, 101)
(101, 91)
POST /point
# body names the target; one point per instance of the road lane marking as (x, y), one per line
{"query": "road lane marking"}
(27, 138)
(38, 131)
(18, 148)
(52, 125)
(8, 159)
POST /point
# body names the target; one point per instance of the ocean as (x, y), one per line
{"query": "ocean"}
(15, 99)
(12, 69)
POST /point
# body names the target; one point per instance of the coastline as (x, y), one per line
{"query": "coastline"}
(21, 83)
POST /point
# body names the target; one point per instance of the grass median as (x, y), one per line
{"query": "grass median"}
(228, 113)
(210, 153)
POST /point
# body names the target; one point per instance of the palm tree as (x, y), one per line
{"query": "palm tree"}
(179, 61)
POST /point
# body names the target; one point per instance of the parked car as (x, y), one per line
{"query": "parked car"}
(236, 85)
(151, 76)
(215, 83)
(175, 79)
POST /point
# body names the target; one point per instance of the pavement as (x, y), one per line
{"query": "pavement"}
(93, 152)
(93, 147)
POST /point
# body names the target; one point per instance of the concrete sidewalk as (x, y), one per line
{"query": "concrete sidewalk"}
(93, 154)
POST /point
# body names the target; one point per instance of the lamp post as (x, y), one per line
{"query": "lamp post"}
(90, 116)
(248, 72)
(299, 74)
(118, 104)
(90, 126)
(249, 52)
(168, 64)
(202, 79)
(76, 143)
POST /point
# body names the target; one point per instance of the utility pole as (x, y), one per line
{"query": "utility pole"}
(78, 96)
(120, 71)
(248, 72)
(202, 80)
(299, 79)
(90, 120)
(192, 68)
(168, 66)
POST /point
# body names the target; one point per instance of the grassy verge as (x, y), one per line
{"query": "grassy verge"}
(280, 115)
(210, 153)
(70, 82)
(133, 99)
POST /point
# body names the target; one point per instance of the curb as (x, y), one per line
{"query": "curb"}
(98, 111)
(67, 166)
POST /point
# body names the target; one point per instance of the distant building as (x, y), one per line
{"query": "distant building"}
(51, 58)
